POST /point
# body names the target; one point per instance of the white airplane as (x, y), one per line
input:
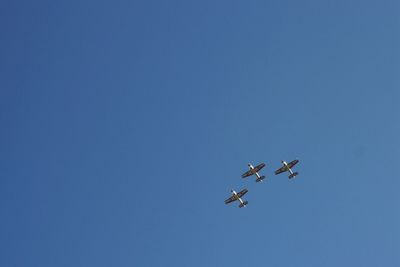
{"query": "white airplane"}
(254, 170)
(237, 196)
(288, 167)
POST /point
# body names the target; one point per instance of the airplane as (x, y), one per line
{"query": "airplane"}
(237, 196)
(254, 170)
(288, 167)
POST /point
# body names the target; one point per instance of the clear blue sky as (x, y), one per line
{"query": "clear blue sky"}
(124, 124)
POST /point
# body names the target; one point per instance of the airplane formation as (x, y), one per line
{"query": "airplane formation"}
(286, 167)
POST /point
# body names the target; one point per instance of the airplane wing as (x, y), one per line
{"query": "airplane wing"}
(259, 167)
(280, 170)
(247, 174)
(242, 193)
(229, 200)
(292, 163)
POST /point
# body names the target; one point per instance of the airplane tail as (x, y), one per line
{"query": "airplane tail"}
(243, 204)
(293, 175)
(260, 179)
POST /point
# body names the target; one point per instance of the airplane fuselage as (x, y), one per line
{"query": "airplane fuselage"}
(251, 167)
(287, 167)
(235, 195)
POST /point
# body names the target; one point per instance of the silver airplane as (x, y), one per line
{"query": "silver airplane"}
(254, 170)
(288, 167)
(237, 196)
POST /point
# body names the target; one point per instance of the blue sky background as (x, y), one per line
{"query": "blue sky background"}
(124, 124)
